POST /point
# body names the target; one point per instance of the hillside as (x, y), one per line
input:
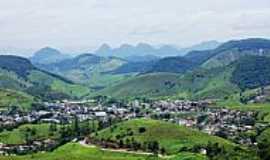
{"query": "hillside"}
(198, 84)
(170, 137)
(88, 69)
(18, 73)
(252, 72)
(234, 50)
(172, 65)
(148, 85)
(15, 98)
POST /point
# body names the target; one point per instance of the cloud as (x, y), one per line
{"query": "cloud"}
(83, 25)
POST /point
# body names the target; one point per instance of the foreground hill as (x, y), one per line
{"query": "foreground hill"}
(170, 138)
(18, 73)
(74, 151)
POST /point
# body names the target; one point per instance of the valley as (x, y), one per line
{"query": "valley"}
(207, 104)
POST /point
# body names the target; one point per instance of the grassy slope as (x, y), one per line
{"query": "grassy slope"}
(58, 85)
(146, 85)
(74, 151)
(170, 136)
(199, 84)
(17, 136)
(11, 97)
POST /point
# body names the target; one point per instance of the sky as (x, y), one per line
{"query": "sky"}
(83, 25)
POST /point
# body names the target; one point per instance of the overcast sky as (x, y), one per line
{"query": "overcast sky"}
(83, 25)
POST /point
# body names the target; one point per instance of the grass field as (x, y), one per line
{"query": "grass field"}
(74, 151)
(150, 85)
(17, 136)
(170, 136)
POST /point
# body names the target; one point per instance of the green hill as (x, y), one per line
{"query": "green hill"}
(15, 98)
(19, 74)
(170, 137)
(233, 50)
(148, 85)
(246, 73)
(252, 72)
(198, 84)
(18, 135)
(88, 69)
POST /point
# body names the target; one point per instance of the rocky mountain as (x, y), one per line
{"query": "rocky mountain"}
(142, 49)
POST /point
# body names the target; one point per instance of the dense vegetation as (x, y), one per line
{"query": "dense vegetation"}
(252, 72)
(172, 65)
(20, 66)
(15, 98)
(19, 74)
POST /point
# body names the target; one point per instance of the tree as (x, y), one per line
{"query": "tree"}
(75, 126)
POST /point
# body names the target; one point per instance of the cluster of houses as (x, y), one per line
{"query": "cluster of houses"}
(201, 115)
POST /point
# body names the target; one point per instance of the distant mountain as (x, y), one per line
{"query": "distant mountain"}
(145, 58)
(199, 57)
(104, 50)
(233, 50)
(88, 69)
(208, 45)
(17, 73)
(135, 67)
(48, 55)
(142, 49)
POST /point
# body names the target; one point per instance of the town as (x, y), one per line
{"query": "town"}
(201, 115)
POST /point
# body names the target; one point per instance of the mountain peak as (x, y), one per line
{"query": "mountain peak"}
(47, 55)
(47, 50)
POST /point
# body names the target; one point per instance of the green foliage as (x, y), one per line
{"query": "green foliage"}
(264, 144)
(28, 132)
(252, 72)
(15, 98)
(150, 85)
(171, 137)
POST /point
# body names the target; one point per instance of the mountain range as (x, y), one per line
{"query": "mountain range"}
(144, 49)
(214, 73)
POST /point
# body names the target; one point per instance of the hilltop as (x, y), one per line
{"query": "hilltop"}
(170, 138)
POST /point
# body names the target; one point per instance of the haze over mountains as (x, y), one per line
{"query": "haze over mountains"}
(209, 73)
(236, 72)
(143, 49)
(155, 72)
